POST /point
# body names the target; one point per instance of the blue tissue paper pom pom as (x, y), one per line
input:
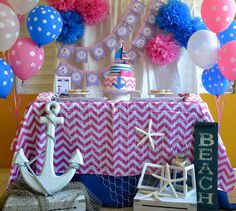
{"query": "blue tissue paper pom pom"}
(173, 15)
(187, 29)
(73, 27)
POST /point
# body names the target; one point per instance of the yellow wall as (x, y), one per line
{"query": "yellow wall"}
(8, 126)
(227, 125)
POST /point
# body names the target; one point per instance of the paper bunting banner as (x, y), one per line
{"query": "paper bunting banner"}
(65, 52)
(147, 31)
(81, 55)
(130, 28)
(92, 79)
(157, 4)
(122, 31)
(139, 42)
(137, 6)
(98, 51)
(63, 69)
(76, 77)
(111, 42)
(105, 73)
(131, 19)
(151, 18)
(133, 55)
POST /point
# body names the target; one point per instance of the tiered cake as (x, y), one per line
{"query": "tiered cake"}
(120, 75)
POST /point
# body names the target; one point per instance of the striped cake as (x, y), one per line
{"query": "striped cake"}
(120, 75)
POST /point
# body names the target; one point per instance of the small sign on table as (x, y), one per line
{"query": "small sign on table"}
(62, 84)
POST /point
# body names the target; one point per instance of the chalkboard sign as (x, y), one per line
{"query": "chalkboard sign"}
(206, 162)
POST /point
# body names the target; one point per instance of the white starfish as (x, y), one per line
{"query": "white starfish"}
(167, 181)
(148, 135)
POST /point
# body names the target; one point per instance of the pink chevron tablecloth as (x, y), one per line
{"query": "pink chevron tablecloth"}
(105, 134)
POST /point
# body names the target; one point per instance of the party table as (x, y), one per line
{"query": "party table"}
(105, 134)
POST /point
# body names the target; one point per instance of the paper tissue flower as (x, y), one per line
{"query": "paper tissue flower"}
(73, 27)
(93, 11)
(163, 49)
(64, 5)
(173, 15)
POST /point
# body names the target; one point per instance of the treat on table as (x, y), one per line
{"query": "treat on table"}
(161, 91)
(77, 91)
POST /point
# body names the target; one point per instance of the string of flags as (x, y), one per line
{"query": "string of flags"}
(100, 50)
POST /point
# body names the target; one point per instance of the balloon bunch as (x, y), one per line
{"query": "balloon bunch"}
(25, 55)
(215, 49)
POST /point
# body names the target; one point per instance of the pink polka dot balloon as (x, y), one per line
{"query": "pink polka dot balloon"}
(227, 60)
(25, 58)
(218, 14)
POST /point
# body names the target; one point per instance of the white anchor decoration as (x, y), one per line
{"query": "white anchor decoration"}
(48, 182)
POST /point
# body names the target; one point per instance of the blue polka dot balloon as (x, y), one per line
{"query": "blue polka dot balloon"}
(229, 34)
(213, 81)
(6, 79)
(44, 24)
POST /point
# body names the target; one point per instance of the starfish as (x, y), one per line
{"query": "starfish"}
(148, 135)
(167, 181)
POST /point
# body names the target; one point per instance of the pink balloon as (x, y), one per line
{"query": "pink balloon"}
(227, 60)
(218, 14)
(26, 58)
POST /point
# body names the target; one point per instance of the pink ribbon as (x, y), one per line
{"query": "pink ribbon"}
(126, 74)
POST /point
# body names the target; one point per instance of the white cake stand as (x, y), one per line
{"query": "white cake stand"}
(121, 95)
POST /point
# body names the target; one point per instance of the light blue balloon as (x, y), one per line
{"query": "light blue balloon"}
(6, 79)
(213, 81)
(44, 24)
(229, 34)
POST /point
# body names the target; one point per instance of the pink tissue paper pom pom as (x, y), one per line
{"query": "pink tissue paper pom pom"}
(64, 5)
(163, 49)
(93, 11)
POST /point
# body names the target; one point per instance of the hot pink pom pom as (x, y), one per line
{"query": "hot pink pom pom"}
(64, 5)
(163, 49)
(93, 11)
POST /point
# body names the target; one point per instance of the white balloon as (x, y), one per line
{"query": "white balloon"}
(22, 7)
(9, 27)
(203, 47)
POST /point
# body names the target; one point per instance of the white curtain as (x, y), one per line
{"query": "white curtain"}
(180, 76)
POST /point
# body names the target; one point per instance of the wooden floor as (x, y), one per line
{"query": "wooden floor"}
(4, 175)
